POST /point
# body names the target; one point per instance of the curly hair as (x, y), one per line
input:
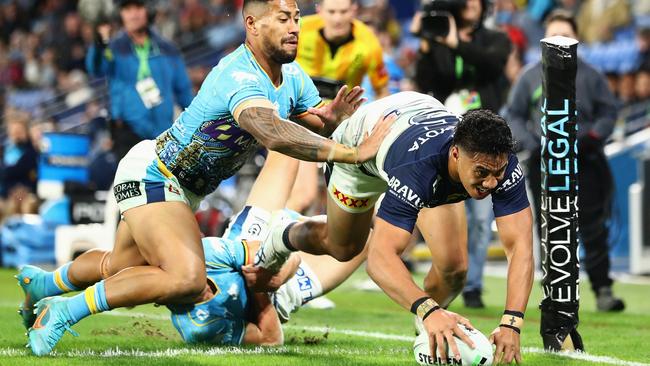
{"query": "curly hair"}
(484, 132)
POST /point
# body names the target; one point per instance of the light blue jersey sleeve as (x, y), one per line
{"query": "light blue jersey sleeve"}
(308, 95)
(225, 254)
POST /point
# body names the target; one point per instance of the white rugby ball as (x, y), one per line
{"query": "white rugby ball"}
(481, 355)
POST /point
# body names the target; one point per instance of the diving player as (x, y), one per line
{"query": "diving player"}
(226, 312)
(427, 165)
(245, 100)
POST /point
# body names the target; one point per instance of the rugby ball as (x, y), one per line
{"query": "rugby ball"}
(481, 355)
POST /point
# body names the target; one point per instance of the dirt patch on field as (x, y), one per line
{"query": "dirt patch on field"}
(137, 328)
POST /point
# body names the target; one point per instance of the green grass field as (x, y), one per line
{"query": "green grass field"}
(366, 328)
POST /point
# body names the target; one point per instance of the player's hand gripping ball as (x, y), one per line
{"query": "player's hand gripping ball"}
(481, 355)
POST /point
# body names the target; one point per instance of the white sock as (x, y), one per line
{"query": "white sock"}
(251, 223)
(308, 283)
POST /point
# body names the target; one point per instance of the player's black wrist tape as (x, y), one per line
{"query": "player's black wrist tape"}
(417, 303)
(518, 314)
(511, 327)
(430, 311)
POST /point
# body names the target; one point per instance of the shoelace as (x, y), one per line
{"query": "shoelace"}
(57, 330)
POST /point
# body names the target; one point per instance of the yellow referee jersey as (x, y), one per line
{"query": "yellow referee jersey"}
(352, 60)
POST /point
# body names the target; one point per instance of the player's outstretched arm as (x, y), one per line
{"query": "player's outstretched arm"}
(265, 329)
(387, 269)
(516, 233)
(278, 134)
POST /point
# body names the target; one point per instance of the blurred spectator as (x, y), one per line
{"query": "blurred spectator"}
(625, 88)
(469, 59)
(165, 22)
(642, 84)
(75, 86)
(19, 157)
(598, 19)
(336, 49)
(146, 75)
(505, 12)
(69, 44)
(193, 19)
(596, 110)
(228, 25)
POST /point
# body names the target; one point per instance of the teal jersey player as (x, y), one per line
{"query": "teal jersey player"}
(222, 318)
(205, 145)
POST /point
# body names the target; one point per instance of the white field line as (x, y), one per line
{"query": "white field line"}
(213, 351)
(175, 352)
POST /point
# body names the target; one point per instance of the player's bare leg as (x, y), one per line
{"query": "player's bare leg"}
(277, 176)
(169, 239)
(97, 264)
(343, 236)
(444, 229)
(314, 277)
(86, 270)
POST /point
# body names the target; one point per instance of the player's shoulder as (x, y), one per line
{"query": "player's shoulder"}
(165, 46)
(218, 251)
(362, 32)
(238, 66)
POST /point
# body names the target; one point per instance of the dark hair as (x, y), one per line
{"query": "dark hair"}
(249, 2)
(561, 15)
(484, 132)
(122, 3)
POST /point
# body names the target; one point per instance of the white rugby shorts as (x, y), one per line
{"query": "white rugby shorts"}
(141, 178)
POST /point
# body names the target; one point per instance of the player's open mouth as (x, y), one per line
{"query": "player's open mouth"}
(482, 191)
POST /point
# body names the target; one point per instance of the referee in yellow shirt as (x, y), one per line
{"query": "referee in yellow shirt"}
(335, 49)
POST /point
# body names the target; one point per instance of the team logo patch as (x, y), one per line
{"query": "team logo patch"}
(173, 189)
(126, 190)
(349, 201)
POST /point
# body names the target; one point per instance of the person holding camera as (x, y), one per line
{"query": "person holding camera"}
(146, 75)
(462, 63)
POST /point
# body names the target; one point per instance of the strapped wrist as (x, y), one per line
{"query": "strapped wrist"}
(513, 320)
(424, 306)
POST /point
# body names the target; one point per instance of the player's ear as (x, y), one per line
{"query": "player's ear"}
(455, 152)
(249, 23)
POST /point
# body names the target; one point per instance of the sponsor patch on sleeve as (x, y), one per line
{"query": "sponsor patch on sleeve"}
(126, 190)
(516, 176)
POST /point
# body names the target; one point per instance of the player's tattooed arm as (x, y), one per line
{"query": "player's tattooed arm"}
(296, 141)
(284, 136)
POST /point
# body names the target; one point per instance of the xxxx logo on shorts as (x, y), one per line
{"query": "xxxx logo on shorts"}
(349, 201)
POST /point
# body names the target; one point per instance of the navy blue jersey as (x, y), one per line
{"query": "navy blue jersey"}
(417, 173)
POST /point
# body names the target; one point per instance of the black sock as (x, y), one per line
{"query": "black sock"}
(285, 237)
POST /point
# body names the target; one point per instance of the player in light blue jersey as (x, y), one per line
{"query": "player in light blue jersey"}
(227, 312)
(231, 314)
(248, 99)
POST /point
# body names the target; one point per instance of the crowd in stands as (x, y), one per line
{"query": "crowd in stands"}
(43, 45)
